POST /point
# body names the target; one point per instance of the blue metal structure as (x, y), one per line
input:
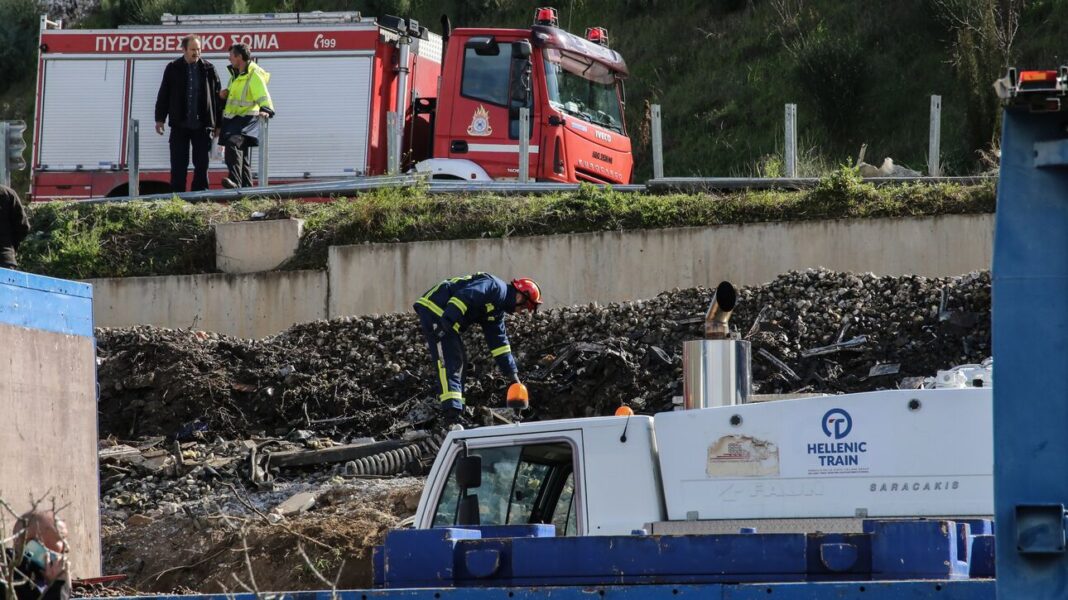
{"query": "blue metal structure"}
(524, 556)
(46, 303)
(1030, 331)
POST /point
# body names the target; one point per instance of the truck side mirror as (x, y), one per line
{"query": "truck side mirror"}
(521, 49)
(521, 69)
(484, 45)
(467, 512)
(469, 472)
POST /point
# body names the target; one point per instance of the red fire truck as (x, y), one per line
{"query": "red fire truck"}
(335, 78)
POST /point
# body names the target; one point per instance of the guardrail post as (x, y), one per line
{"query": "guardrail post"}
(264, 178)
(934, 146)
(790, 159)
(658, 142)
(392, 151)
(524, 145)
(133, 158)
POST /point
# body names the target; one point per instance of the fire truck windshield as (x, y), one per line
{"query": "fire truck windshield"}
(583, 88)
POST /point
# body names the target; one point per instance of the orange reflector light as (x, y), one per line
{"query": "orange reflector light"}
(624, 411)
(518, 397)
(1038, 76)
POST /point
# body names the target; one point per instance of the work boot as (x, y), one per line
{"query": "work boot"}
(452, 418)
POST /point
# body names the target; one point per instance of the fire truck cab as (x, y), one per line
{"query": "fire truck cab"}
(573, 88)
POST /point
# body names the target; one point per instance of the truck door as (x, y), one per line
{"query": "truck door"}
(494, 85)
(529, 483)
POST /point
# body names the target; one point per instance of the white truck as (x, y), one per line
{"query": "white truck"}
(794, 465)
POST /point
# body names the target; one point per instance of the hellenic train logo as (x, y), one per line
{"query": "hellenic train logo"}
(837, 423)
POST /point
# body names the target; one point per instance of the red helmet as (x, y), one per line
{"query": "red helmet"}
(530, 289)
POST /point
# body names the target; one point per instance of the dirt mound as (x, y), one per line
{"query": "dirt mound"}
(811, 331)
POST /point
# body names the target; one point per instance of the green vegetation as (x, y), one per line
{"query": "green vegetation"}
(860, 72)
(114, 240)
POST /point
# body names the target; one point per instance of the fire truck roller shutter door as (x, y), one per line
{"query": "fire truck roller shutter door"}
(81, 118)
(323, 106)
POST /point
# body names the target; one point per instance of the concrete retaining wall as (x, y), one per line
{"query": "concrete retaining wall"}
(48, 440)
(574, 269)
(617, 266)
(250, 305)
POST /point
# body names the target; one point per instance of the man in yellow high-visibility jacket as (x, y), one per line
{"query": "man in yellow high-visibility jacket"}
(247, 99)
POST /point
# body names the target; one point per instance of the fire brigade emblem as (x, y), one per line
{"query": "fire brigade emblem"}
(480, 124)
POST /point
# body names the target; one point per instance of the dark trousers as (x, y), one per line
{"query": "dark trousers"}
(449, 358)
(239, 163)
(182, 139)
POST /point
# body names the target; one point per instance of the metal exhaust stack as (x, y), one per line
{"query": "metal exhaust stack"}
(716, 370)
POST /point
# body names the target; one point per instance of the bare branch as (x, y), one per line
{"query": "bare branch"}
(242, 584)
(248, 564)
(311, 566)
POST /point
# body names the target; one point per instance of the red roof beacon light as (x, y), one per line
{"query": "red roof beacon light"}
(597, 35)
(546, 16)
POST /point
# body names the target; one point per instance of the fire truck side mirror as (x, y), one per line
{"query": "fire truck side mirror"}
(521, 68)
(521, 49)
(484, 46)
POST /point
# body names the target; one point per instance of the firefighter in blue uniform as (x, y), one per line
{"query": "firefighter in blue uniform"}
(453, 305)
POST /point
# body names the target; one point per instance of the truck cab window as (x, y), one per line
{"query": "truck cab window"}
(583, 88)
(520, 485)
(564, 517)
(486, 77)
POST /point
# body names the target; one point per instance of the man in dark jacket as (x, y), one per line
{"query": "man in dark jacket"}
(453, 305)
(189, 99)
(37, 564)
(14, 225)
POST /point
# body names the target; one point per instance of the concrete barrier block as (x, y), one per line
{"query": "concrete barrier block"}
(253, 246)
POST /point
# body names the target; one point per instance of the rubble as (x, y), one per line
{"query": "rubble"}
(370, 376)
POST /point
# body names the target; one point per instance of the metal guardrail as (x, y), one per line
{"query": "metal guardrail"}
(323, 189)
(353, 186)
(700, 184)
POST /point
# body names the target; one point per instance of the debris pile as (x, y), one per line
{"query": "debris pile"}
(165, 477)
(348, 378)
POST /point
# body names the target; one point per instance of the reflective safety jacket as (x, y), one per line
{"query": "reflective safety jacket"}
(247, 92)
(479, 298)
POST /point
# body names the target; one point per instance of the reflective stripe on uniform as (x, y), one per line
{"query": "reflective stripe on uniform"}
(489, 307)
(456, 327)
(451, 396)
(442, 376)
(505, 349)
(459, 304)
(434, 308)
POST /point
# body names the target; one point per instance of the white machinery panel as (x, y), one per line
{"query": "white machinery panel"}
(893, 453)
(81, 115)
